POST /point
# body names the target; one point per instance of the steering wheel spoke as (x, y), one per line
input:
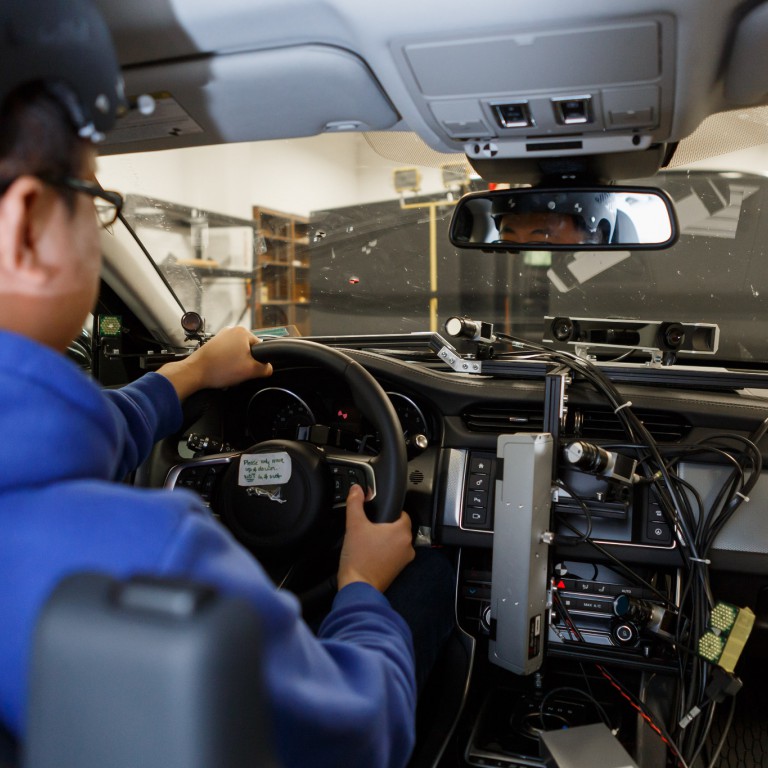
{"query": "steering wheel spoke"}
(201, 475)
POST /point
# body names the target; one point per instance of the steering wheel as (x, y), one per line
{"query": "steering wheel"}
(272, 494)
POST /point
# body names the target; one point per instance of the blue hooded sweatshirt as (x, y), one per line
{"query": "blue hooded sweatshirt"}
(344, 697)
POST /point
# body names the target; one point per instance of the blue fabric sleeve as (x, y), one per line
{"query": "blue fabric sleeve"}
(145, 411)
(344, 698)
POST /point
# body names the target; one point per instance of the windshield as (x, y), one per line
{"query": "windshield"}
(324, 236)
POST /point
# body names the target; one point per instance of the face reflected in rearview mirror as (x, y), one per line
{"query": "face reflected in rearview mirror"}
(547, 227)
(594, 218)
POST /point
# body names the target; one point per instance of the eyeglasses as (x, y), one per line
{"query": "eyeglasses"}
(108, 204)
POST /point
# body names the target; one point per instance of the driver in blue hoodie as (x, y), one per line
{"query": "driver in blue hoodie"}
(343, 696)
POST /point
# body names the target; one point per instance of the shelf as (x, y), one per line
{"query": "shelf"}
(218, 272)
(198, 247)
(283, 269)
(149, 211)
(279, 238)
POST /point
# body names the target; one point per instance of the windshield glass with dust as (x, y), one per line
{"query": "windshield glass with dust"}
(324, 236)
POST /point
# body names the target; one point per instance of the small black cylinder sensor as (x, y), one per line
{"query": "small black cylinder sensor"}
(193, 325)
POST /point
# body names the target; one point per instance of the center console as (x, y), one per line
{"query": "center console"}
(549, 612)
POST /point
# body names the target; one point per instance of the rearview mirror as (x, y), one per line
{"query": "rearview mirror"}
(573, 219)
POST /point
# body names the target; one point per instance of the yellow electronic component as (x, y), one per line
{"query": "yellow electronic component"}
(723, 617)
(737, 639)
(110, 325)
(729, 631)
(711, 647)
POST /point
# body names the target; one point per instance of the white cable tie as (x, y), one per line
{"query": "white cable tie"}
(623, 405)
(706, 561)
(744, 498)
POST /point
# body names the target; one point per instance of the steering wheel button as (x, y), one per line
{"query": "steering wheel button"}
(207, 484)
(356, 475)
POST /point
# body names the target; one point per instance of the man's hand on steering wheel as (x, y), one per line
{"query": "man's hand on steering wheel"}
(223, 361)
(373, 553)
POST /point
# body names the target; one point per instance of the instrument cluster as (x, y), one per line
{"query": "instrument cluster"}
(288, 412)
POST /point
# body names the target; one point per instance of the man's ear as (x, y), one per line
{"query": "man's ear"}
(23, 212)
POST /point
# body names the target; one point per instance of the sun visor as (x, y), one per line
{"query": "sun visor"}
(746, 77)
(269, 94)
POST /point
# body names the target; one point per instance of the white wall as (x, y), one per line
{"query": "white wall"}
(297, 176)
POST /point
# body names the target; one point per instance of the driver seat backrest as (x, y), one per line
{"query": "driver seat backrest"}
(146, 672)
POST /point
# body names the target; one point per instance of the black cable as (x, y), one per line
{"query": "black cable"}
(636, 703)
(724, 735)
(635, 429)
(635, 577)
(736, 498)
(711, 709)
(587, 514)
(640, 706)
(598, 706)
(694, 527)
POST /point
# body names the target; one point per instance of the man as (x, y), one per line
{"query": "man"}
(343, 697)
(544, 227)
(558, 217)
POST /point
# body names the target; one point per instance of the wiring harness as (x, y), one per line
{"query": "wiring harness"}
(704, 627)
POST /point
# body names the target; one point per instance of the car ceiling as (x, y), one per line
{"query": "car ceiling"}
(239, 70)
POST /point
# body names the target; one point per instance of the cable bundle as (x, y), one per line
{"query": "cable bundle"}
(703, 685)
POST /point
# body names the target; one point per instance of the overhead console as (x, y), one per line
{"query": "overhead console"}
(509, 95)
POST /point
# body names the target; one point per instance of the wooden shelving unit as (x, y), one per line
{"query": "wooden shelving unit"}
(282, 269)
(270, 262)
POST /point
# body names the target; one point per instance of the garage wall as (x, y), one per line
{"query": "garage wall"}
(296, 176)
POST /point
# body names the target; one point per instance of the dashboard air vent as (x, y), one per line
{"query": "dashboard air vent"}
(504, 418)
(603, 423)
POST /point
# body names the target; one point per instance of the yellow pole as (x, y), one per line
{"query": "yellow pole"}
(433, 205)
(433, 268)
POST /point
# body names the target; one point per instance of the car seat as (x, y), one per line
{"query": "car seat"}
(146, 672)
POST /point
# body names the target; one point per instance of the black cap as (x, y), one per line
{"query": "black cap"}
(66, 45)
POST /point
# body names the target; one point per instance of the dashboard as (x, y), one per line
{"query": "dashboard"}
(450, 422)
(589, 548)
